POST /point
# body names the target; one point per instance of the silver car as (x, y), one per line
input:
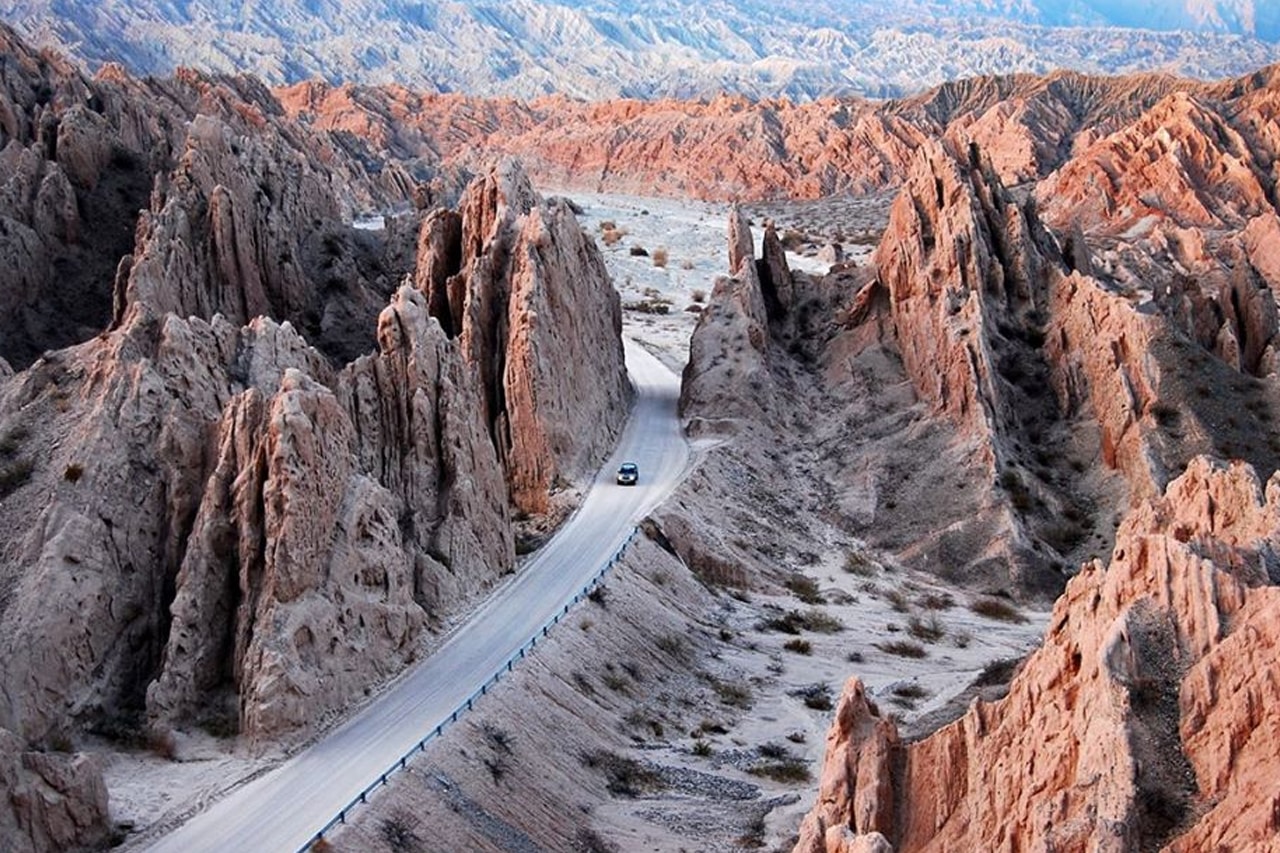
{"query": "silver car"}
(628, 474)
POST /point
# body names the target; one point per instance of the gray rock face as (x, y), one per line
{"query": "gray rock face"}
(58, 801)
(245, 498)
(528, 296)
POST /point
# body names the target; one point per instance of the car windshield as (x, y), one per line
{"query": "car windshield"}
(627, 469)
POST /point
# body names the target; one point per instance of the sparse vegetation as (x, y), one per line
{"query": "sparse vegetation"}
(903, 649)
(927, 630)
(1166, 415)
(937, 601)
(397, 831)
(805, 588)
(14, 475)
(650, 306)
(701, 748)
(997, 609)
(793, 622)
(660, 257)
(787, 770)
(599, 595)
(799, 646)
(857, 563)
(674, 645)
(73, 472)
(625, 776)
(898, 600)
(699, 296)
(815, 696)
(734, 694)
(616, 682)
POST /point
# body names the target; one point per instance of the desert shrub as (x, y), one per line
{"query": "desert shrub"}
(699, 296)
(903, 649)
(857, 563)
(799, 646)
(910, 691)
(15, 474)
(790, 770)
(625, 776)
(11, 439)
(898, 600)
(616, 682)
(815, 696)
(397, 831)
(611, 238)
(1165, 414)
(793, 622)
(649, 306)
(822, 623)
(937, 601)
(660, 257)
(805, 588)
(701, 748)
(73, 472)
(599, 595)
(590, 841)
(928, 630)
(608, 225)
(674, 645)
(735, 694)
(997, 609)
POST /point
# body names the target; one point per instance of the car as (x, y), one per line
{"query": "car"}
(628, 474)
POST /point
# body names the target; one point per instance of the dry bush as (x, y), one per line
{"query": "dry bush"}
(903, 649)
(699, 296)
(930, 630)
(799, 646)
(660, 257)
(805, 588)
(994, 608)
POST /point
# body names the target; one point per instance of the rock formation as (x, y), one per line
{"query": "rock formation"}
(1133, 727)
(280, 454)
(732, 148)
(526, 293)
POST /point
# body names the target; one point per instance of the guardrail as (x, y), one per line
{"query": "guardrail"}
(402, 762)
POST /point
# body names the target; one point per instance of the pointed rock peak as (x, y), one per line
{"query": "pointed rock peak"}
(741, 244)
(776, 281)
(501, 195)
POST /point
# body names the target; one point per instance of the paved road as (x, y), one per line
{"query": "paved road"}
(283, 809)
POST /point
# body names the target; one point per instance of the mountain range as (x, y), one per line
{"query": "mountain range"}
(657, 48)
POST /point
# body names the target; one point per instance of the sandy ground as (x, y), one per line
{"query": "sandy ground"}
(703, 686)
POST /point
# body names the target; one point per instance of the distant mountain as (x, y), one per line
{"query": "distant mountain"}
(651, 48)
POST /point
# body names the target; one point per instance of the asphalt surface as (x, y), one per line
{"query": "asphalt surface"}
(282, 810)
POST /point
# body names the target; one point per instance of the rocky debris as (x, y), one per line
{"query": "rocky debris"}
(53, 801)
(1119, 730)
(527, 295)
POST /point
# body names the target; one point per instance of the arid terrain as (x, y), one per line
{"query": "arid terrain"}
(977, 551)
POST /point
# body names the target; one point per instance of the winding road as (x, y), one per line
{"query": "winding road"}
(283, 809)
